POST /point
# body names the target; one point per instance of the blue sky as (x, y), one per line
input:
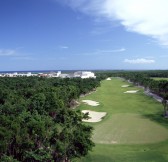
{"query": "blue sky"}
(83, 34)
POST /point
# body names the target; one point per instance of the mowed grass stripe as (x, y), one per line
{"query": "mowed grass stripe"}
(129, 129)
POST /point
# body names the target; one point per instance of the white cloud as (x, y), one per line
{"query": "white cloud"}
(23, 58)
(14, 54)
(120, 50)
(147, 17)
(111, 51)
(7, 52)
(64, 47)
(139, 61)
(102, 52)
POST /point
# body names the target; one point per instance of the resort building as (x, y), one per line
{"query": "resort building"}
(80, 74)
(84, 74)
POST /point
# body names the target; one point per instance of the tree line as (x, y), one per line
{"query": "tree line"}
(37, 123)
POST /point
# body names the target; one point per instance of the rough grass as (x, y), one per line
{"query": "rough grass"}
(132, 131)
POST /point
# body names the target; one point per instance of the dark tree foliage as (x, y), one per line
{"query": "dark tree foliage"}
(37, 123)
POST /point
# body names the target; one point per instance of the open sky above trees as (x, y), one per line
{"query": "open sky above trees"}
(83, 34)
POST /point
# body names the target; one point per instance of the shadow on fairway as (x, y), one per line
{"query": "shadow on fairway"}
(158, 118)
(96, 158)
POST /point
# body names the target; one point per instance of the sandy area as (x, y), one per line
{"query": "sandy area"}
(132, 91)
(94, 116)
(113, 142)
(125, 86)
(108, 79)
(91, 103)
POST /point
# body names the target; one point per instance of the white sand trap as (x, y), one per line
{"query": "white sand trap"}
(132, 91)
(108, 79)
(94, 116)
(114, 142)
(125, 86)
(91, 103)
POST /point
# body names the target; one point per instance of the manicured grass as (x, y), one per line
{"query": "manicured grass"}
(128, 153)
(129, 129)
(155, 78)
(132, 131)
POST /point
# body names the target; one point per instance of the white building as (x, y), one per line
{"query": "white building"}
(80, 74)
(53, 74)
(29, 74)
(58, 73)
(64, 75)
(15, 74)
(84, 74)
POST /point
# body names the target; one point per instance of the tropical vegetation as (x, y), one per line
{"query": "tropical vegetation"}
(37, 122)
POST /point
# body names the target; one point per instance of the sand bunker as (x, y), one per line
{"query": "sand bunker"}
(91, 103)
(108, 79)
(125, 86)
(132, 91)
(94, 116)
(113, 142)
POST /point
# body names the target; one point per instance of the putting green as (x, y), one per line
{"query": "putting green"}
(129, 129)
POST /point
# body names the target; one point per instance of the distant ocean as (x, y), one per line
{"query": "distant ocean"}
(62, 71)
(43, 71)
(38, 71)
